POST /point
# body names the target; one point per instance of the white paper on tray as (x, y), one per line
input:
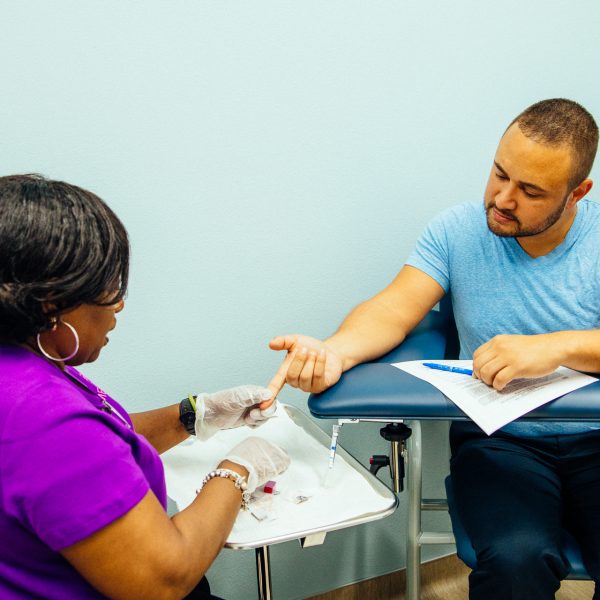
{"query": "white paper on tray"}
(347, 494)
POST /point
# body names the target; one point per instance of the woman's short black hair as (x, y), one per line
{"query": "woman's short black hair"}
(59, 244)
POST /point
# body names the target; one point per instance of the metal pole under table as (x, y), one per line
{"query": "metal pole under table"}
(263, 572)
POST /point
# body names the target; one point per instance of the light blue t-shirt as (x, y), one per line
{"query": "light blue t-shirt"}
(497, 288)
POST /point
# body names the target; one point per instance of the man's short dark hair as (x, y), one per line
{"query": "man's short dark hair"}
(559, 121)
(60, 244)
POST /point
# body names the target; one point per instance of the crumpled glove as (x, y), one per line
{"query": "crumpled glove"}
(230, 408)
(263, 460)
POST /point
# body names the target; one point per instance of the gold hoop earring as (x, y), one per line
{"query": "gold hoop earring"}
(55, 323)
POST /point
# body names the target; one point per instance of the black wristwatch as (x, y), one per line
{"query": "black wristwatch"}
(187, 414)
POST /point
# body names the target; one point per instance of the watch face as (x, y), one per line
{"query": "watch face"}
(190, 424)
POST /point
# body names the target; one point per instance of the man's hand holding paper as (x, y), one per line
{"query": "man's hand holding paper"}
(508, 357)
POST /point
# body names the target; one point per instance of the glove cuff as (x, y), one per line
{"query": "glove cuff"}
(203, 430)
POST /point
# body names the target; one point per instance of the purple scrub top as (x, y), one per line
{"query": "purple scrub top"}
(70, 464)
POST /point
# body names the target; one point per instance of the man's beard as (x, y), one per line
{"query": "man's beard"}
(520, 231)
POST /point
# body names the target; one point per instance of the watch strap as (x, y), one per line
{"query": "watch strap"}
(187, 414)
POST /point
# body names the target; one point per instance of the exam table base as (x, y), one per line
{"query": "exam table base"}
(416, 537)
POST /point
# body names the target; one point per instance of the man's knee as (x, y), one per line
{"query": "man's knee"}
(522, 555)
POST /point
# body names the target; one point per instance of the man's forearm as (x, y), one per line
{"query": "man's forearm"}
(580, 349)
(161, 427)
(381, 323)
(368, 332)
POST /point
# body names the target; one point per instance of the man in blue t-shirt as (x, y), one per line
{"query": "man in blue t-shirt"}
(523, 271)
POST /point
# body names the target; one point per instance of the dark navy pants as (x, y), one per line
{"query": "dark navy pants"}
(201, 592)
(514, 496)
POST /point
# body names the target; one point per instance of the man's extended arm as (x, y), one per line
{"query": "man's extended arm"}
(381, 323)
(370, 330)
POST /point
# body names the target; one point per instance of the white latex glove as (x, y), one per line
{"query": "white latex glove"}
(259, 416)
(262, 459)
(230, 408)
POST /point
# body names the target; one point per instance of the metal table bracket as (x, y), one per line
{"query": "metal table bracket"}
(316, 539)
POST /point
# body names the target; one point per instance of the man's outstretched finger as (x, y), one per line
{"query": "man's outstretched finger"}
(276, 384)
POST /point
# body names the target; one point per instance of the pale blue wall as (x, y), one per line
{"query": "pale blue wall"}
(274, 163)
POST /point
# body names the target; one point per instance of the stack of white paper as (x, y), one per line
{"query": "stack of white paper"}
(487, 407)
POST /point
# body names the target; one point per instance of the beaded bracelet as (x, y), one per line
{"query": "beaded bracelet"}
(238, 480)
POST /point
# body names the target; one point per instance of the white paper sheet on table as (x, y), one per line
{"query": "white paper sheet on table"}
(486, 406)
(347, 495)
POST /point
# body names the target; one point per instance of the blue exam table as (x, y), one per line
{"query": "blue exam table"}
(378, 392)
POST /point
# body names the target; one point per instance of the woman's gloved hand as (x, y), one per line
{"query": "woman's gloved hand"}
(230, 408)
(262, 460)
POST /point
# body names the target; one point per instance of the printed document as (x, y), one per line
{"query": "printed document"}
(487, 407)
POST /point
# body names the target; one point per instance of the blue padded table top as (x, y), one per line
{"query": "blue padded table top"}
(379, 391)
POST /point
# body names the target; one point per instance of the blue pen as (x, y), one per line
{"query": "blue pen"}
(448, 368)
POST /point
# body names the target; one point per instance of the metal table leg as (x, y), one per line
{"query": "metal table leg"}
(416, 537)
(263, 573)
(413, 543)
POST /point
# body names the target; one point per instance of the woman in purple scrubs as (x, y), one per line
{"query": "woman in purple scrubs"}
(82, 488)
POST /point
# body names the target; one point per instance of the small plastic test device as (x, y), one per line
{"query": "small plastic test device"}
(333, 445)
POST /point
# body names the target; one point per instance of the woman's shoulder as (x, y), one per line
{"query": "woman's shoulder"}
(30, 385)
(22, 371)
